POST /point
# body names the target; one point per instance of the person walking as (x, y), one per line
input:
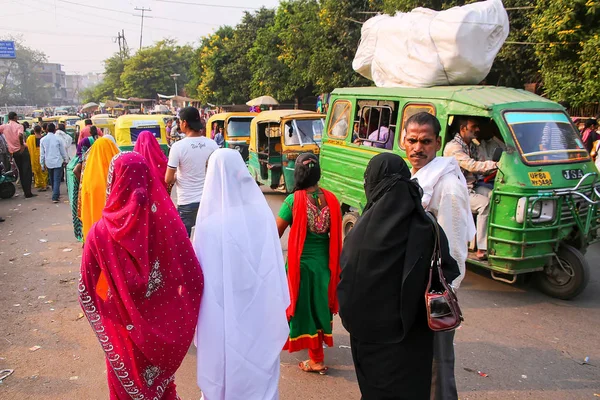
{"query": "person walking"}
(187, 165)
(85, 132)
(446, 196)
(13, 134)
(73, 181)
(385, 269)
(242, 323)
(40, 176)
(313, 265)
(141, 299)
(147, 145)
(92, 190)
(53, 157)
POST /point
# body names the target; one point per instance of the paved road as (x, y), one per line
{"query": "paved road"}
(531, 346)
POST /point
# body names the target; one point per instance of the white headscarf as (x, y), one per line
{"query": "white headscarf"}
(111, 138)
(242, 325)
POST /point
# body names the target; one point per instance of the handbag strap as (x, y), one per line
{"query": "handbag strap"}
(436, 257)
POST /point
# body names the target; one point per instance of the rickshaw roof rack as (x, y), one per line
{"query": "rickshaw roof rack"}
(480, 96)
(278, 115)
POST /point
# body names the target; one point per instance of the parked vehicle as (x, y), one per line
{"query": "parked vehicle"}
(236, 129)
(128, 127)
(276, 139)
(544, 205)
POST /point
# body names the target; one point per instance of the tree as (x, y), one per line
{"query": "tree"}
(214, 57)
(149, 71)
(19, 81)
(568, 33)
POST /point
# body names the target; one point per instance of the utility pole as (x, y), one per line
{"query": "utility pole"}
(143, 10)
(175, 76)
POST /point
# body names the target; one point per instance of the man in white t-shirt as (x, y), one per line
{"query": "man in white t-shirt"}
(188, 158)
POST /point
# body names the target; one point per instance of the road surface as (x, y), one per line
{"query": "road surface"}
(529, 345)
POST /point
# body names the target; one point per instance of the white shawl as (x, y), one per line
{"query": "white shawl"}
(242, 324)
(445, 194)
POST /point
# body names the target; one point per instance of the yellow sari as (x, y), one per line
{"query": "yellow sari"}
(40, 178)
(92, 197)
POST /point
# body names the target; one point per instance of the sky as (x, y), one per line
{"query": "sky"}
(80, 34)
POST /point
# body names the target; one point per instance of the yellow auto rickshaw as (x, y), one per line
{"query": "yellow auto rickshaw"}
(277, 138)
(236, 130)
(128, 127)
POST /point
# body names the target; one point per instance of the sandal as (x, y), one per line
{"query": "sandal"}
(305, 366)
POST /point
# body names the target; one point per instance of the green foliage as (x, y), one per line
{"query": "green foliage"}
(149, 71)
(569, 58)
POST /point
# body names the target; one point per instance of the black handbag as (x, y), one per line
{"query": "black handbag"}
(443, 311)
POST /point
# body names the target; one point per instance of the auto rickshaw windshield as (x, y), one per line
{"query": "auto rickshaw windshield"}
(239, 127)
(304, 131)
(546, 137)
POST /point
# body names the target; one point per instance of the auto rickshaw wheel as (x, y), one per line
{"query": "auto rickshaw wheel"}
(7, 190)
(566, 276)
(348, 223)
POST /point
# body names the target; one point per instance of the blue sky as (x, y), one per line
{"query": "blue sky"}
(81, 33)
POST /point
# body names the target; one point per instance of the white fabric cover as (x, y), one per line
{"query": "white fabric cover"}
(445, 194)
(242, 324)
(429, 48)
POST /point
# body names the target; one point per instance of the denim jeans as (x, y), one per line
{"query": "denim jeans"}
(188, 213)
(55, 175)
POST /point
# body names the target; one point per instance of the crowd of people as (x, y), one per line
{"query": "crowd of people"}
(148, 291)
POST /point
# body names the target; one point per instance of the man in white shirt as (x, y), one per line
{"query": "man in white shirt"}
(446, 196)
(53, 157)
(187, 165)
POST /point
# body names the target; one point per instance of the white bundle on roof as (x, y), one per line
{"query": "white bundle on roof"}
(428, 48)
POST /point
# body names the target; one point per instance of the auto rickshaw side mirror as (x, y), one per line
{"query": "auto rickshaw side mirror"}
(497, 154)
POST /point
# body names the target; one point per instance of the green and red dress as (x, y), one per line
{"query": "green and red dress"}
(314, 248)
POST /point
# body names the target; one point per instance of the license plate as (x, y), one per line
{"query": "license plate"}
(572, 174)
(540, 178)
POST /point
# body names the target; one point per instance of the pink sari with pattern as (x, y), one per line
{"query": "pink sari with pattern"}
(147, 145)
(141, 283)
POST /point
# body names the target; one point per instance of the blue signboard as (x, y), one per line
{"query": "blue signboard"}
(7, 49)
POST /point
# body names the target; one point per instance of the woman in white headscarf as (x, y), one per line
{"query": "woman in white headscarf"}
(242, 323)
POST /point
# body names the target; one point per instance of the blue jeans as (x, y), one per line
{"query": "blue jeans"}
(188, 213)
(55, 175)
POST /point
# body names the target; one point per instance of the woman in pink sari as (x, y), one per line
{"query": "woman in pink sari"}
(147, 145)
(141, 283)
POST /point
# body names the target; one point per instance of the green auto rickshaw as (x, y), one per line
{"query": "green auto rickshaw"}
(544, 204)
(276, 139)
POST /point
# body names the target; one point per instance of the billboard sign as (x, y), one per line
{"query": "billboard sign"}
(7, 49)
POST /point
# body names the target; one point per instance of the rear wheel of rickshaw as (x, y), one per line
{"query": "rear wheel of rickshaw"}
(7, 190)
(566, 276)
(348, 223)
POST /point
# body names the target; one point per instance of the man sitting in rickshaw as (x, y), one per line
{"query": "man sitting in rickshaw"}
(463, 148)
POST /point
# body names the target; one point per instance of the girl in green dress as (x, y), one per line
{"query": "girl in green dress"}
(313, 265)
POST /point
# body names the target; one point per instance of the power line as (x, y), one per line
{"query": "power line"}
(51, 33)
(143, 10)
(207, 5)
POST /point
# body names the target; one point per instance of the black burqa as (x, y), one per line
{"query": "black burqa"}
(385, 266)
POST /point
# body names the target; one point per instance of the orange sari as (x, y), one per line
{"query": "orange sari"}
(92, 197)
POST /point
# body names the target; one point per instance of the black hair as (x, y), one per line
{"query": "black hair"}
(93, 131)
(590, 122)
(25, 124)
(88, 122)
(12, 116)
(307, 172)
(424, 118)
(51, 128)
(61, 127)
(45, 126)
(37, 129)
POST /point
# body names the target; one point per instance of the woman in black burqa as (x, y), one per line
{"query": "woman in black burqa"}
(385, 268)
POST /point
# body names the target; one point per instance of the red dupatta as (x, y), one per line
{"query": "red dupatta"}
(296, 245)
(141, 283)
(147, 145)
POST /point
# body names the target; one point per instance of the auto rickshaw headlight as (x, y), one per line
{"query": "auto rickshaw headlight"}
(540, 210)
